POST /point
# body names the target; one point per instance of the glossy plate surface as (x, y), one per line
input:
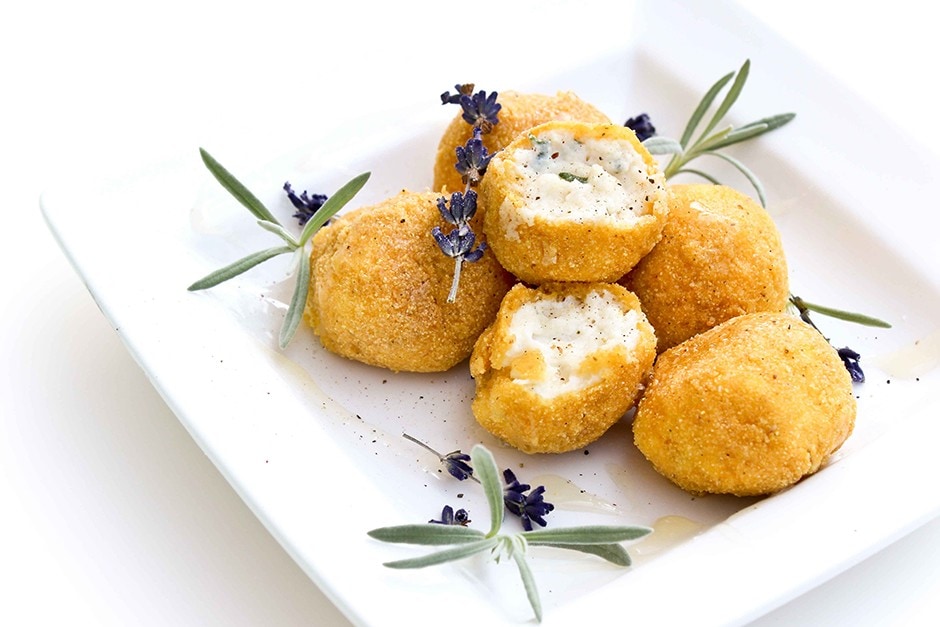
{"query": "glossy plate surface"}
(313, 442)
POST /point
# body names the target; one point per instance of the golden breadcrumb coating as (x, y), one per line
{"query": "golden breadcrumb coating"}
(560, 365)
(720, 256)
(593, 229)
(746, 408)
(518, 113)
(379, 286)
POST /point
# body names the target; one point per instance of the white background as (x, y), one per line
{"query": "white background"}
(109, 513)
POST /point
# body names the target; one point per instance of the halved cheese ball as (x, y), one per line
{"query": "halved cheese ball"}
(560, 365)
(571, 201)
(518, 113)
(379, 286)
(720, 256)
(747, 408)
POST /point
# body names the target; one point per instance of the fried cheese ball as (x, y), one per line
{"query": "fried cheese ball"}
(572, 201)
(560, 365)
(746, 408)
(379, 286)
(518, 112)
(720, 256)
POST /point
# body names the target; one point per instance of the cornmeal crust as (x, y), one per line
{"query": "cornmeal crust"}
(506, 403)
(746, 408)
(379, 286)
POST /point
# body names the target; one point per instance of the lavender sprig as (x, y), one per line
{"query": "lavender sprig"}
(463, 542)
(710, 141)
(480, 110)
(292, 244)
(454, 462)
(459, 243)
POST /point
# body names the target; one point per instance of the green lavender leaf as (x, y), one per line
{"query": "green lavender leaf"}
(528, 581)
(427, 534)
(587, 534)
(657, 145)
(453, 554)
(238, 267)
(755, 129)
(772, 122)
(702, 108)
(706, 144)
(484, 468)
(613, 553)
(332, 205)
(704, 175)
(295, 310)
(236, 189)
(743, 169)
(841, 314)
(280, 231)
(730, 98)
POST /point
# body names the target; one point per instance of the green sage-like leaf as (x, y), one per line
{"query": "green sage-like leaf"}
(427, 534)
(236, 189)
(754, 129)
(730, 98)
(613, 553)
(702, 107)
(735, 136)
(662, 146)
(528, 581)
(771, 121)
(705, 145)
(704, 175)
(587, 534)
(848, 316)
(484, 468)
(743, 169)
(447, 555)
(234, 269)
(298, 301)
(280, 231)
(333, 204)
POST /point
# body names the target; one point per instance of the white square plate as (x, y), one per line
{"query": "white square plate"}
(313, 442)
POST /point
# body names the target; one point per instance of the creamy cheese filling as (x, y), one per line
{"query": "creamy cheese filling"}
(564, 333)
(597, 180)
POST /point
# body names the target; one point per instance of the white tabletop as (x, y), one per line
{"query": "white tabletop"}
(112, 515)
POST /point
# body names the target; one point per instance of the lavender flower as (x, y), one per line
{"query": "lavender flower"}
(850, 360)
(465, 89)
(472, 159)
(461, 208)
(642, 126)
(306, 205)
(481, 110)
(454, 462)
(458, 244)
(529, 507)
(450, 517)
